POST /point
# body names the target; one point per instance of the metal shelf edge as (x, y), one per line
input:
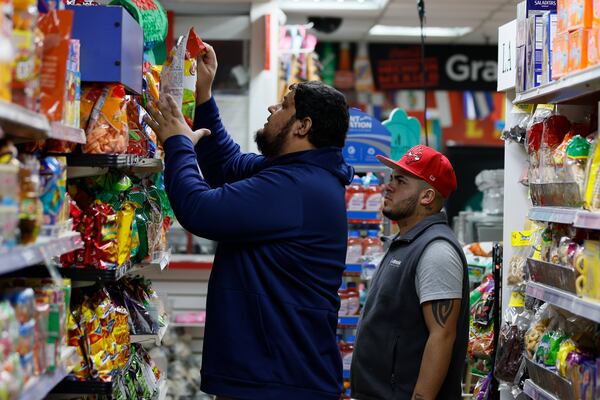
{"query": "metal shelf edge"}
(535, 392)
(565, 300)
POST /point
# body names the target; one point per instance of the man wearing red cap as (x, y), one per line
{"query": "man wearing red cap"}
(412, 337)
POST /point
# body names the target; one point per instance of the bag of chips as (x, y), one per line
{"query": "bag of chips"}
(178, 76)
(107, 131)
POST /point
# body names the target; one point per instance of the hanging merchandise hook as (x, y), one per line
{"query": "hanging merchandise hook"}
(421, 11)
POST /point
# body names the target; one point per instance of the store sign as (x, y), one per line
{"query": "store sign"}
(366, 139)
(507, 56)
(397, 67)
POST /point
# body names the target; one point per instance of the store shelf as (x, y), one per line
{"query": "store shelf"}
(60, 131)
(564, 300)
(19, 122)
(553, 275)
(44, 249)
(39, 387)
(580, 86)
(364, 216)
(549, 382)
(554, 214)
(90, 274)
(587, 220)
(537, 393)
(348, 321)
(353, 270)
(82, 165)
(68, 386)
(191, 261)
(151, 338)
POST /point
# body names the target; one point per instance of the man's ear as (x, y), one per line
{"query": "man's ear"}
(428, 197)
(303, 127)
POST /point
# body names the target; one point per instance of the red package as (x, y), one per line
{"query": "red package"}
(534, 137)
(138, 141)
(56, 26)
(555, 129)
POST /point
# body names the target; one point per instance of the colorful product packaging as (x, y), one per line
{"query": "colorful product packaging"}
(549, 34)
(57, 26)
(580, 14)
(178, 76)
(106, 121)
(596, 13)
(593, 46)
(560, 55)
(578, 49)
(562, 11)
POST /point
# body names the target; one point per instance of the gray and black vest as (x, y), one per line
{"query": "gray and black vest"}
(392, 333)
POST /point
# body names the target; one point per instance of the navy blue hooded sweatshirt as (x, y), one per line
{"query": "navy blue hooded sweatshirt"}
(272, 296)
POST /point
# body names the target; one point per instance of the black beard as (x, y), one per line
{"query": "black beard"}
(272, 148)
(406, 211)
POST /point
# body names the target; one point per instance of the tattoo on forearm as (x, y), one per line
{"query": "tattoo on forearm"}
(417, 396)
(442, 310)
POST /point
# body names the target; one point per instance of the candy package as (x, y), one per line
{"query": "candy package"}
(53, 175)
(509, 357)
(138, 141)
(106, 130)
(592, 183)
(178, 76)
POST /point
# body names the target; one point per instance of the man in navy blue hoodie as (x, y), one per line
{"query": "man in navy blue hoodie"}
(280, 221)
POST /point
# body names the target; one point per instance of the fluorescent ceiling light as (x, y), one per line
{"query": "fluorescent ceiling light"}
(430, 31)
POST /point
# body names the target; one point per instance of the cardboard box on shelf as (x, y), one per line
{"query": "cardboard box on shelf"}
(550, 23)
(560, 55)
(578, 49)
(580, 14)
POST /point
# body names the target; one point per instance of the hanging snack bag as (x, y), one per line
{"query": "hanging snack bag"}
(107, 131)
(178, 76)
(138, 141)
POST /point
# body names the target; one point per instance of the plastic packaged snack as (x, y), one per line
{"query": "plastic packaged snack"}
(178, 76)
(107, 131)
(53, 175)
(138, 141)
(516, 125)
(592, 184)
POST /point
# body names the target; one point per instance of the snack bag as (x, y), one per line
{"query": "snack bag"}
(54, 186)
(107, 131)
(56, 26)
(178, 77)
(138, 141)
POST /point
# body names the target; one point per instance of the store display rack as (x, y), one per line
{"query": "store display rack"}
(537, 393)
(567, 301)
(550, 381)
(27, 125)
(577, 87)
(72, 387)
(88, 274)
(39, 387)
(151, 338)
(577, 217)
(553, 275)
(41, 251)
(82, 165)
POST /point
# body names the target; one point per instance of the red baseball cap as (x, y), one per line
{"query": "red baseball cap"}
(428, 164)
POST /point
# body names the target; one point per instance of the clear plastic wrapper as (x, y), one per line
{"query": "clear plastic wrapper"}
(106, 130)
(516, 124)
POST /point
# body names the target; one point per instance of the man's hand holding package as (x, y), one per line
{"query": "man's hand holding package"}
(167, 120)
(207, 69)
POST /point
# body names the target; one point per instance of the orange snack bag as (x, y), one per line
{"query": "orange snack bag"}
(56, 26)
(578, 49)
(580, 14)
(107, 130)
